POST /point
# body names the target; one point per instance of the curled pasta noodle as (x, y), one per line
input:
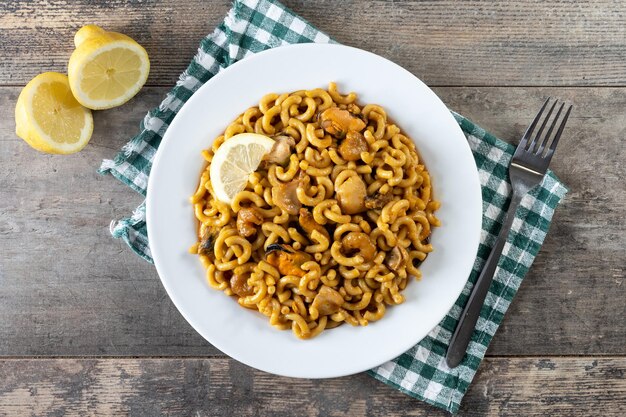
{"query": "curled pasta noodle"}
(291, 171)
(342, 229)
(249, 117)
(394, 157)
(297, 263)
(282, 218)
(247, 197)
(350, 288)
(375, 315)
(233, 130)
(285, 105)
(335, 215)
(361, 304)
(310, 195)
(241, 247)
(312, 136)
(215, 278)
(267, 101)
(274, 232)
(296, 236)
(335, 251)
(337, 97)
(311, 108)
(337, 159)
(318, 172)
(331, 279)
(299, 325)
(200, 191)
(326, 183)
(392, 210)
(374, 108)
(320, 210)
(316, 158)
(326, 99)
(267, 118)
(322, 242)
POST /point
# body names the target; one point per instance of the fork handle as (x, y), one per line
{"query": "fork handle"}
(464, 329)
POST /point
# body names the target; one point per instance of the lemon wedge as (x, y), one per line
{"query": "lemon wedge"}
(48, 117)
(234, 161)
(107, 68)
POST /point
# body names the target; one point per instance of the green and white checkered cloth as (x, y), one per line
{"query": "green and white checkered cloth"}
(252, 26)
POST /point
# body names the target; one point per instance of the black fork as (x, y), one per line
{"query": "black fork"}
(528, 166)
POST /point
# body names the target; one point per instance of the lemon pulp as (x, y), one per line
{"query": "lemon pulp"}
(48, 117)
(234, 161)
(107, 68)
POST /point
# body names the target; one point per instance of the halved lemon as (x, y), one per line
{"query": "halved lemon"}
(234, 161)
(48, 117)
(107, 68)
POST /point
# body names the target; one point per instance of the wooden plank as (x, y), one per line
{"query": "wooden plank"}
(521, 43)
(223, 387)
(67, 288)
(39, 36)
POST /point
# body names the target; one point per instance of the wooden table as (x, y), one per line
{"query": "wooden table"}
(87, 329)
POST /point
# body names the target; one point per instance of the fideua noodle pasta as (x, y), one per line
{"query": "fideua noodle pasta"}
(331, 226)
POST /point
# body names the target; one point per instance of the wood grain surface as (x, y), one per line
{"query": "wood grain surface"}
(87, 329)
(224, 387)
(443, 42)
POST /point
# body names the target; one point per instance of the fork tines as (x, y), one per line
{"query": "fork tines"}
(539, 144)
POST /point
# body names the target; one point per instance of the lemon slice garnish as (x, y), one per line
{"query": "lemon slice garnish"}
(48, 117)
(107, 68)
(234, 161)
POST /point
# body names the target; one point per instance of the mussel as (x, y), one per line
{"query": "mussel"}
(338, 122)
(286, 259)
(207, 240)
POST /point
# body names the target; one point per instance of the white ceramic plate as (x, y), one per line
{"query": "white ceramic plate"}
(246, 335)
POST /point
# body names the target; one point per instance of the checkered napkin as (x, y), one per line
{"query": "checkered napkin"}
(252, 26)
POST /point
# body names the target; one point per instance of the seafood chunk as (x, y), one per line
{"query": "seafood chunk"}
(338, 122)
(327, 301)
(247, 220)
(286, 259)
(358, 243)
(352, 146)
(397, 258)
(351, 195)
